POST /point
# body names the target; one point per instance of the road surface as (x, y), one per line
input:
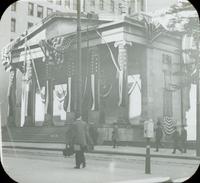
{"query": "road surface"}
(31, 166)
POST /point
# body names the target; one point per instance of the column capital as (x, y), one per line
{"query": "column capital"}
(122, 43)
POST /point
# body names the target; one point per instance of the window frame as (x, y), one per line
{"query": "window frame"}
(49, 9)
(14, 6)
(29, 24)
(58, 2)
(42, 12)
(13, 25)
(92, 3)
(29, 9)
(67, 3)
(112, 6)
(101, 4)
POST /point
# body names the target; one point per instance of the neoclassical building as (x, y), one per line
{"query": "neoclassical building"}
(129, 73)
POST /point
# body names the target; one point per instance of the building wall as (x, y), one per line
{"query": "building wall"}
(156, 84)
(22, 18)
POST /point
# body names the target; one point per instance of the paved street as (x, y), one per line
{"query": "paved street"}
(30, 166)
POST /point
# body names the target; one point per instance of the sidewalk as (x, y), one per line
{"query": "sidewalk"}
(122, 150)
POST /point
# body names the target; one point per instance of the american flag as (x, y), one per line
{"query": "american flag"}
(169, 125)
(52, 49)
(6, 59)
(153, 29)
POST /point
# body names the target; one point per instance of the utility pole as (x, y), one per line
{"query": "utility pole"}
(79, 61)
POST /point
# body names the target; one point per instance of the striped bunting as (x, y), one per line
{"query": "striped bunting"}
(168, 125)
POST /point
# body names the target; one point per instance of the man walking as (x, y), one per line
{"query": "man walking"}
(158, 136)
(78, 137)
(176, 139)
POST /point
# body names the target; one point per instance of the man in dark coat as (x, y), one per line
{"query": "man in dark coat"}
(176, 140)
(158, 136)
(78, 134)
(115, 135)
(184, 139)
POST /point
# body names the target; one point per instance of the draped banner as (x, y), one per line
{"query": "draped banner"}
(91, 86)
(168, 125)
(94, 79)
(24, 102)
(69, 102)
(122, 88)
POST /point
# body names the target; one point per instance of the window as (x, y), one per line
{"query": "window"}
(49, 11)
(101, 4)
(166, 59)
(30, 9)
(74, 5)
(13, 7)
(142, 5)
(39, 11)
(67, 3)
(13, 25)
(92, 2)
(30, 24)
(58, 2)
(120, 8)
(112, 6)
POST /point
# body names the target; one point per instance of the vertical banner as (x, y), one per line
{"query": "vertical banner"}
(94, 79)
(69, 102)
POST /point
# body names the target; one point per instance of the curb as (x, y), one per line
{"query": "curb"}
(108, 153)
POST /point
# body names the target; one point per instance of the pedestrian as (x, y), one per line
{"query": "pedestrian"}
(79, 135)
(158, 136)
(176, 141)
(184, 139)
(115, 135)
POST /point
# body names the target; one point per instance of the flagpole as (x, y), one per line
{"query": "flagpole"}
(79, 75)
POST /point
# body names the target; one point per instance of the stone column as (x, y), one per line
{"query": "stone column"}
(30, 96)
(12, 98)
(48, 118)
(123, 81)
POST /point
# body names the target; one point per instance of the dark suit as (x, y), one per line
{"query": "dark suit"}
(158, 137)
(176, 139)
(80, 134)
